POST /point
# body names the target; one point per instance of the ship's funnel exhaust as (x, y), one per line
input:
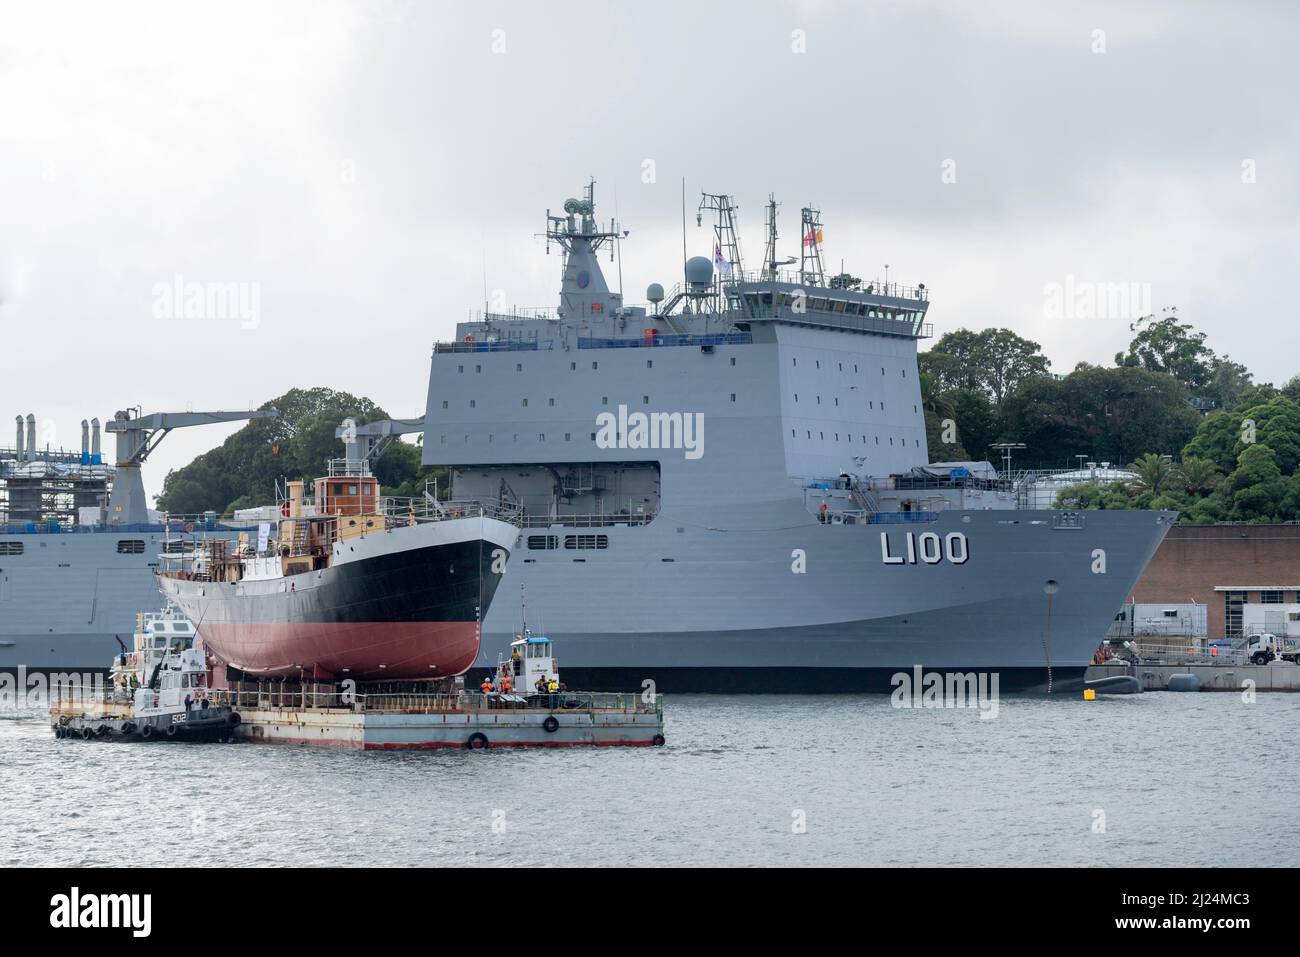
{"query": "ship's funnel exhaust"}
(18, 443)
(94, 436)
(31, 437)
(85, 439)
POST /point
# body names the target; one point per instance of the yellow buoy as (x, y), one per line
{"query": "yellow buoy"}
(1089, 694)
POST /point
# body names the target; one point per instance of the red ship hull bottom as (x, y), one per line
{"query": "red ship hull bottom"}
(337, 650)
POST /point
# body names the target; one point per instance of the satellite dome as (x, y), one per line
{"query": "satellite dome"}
(654, 293)
(699, 271)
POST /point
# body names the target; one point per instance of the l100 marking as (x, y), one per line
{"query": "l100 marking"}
(927, 548)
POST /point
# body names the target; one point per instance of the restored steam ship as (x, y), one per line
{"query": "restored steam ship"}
(352, 584)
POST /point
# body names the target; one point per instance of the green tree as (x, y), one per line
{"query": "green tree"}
(1167, 345)
(1223, 436)
(1201, 476)
(1256, 487)
(1156, 473)
(1229, 382)
(1109, 415)
(992, 361)
(243, 470)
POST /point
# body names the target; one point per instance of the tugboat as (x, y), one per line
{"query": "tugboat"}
(159, 691)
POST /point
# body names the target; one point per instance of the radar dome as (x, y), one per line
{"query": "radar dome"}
(654, 293)
(699, 271)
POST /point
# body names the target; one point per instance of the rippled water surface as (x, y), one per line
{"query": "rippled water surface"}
(1170, 777)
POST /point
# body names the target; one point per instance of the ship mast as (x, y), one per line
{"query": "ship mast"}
(810, 248)
(770, 262)
(583, 290)
(727, 263)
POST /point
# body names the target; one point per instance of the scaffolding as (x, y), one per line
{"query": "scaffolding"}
(49, 490)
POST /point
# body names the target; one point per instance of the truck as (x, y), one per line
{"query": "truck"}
(1265, 647)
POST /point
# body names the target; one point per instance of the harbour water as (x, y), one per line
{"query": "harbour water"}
(1153, 779)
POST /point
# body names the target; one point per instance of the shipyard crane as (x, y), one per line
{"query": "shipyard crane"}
(137, 436)
(369, 441)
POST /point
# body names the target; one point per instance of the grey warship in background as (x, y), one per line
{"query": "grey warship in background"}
(79, 545)
(729, 488)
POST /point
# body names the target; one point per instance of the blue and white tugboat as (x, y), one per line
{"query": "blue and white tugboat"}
(158, 691)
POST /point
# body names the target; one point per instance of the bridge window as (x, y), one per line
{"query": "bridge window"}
(130, 546)
(536, 542)
(11, 548)
(586, 541)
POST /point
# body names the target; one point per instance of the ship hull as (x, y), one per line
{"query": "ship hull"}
(401, 604)
(848, 621)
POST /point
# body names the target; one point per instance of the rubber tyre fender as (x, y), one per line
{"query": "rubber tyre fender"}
(477, 742)
(87, 734)
(128, 727)
(657, 740)
(551, 724)
(171, 731)
(147, 732)
(233, 719)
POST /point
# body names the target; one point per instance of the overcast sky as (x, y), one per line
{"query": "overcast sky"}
(359, 166)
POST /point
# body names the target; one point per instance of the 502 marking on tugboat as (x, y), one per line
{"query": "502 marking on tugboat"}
(158, 692)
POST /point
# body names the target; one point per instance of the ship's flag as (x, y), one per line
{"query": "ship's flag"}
(721, 265)
(813, 237)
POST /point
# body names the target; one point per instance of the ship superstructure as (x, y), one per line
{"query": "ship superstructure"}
(729, 487)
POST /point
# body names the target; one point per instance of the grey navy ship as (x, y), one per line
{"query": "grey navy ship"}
(79, 546)
(728, 488)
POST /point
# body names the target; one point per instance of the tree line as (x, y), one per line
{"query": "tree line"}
(242, 472)
(1201, 435)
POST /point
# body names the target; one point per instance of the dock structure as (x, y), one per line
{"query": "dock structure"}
(323, 716)
(1278, 676)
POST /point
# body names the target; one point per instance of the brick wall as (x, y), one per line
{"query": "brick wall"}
(1193, 559)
